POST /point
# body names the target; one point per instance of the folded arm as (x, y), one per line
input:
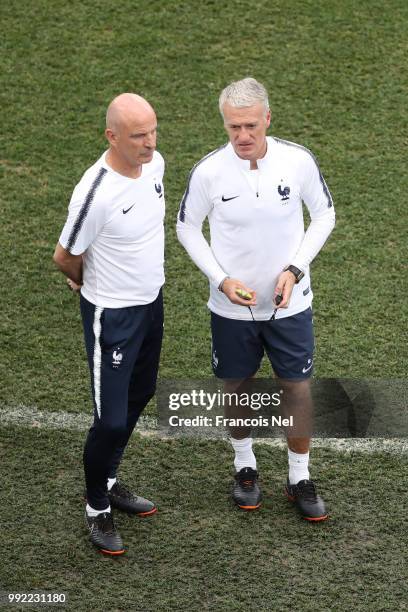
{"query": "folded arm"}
(68, 264)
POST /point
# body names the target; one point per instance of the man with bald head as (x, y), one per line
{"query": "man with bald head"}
(111, 250)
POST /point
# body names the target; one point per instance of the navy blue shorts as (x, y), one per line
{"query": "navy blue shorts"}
(238, 346)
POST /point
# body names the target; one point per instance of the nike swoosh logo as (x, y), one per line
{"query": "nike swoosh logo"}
(127, 210)
(307, 369)
(228, 199)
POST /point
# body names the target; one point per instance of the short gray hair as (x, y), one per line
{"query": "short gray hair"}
(246, 92)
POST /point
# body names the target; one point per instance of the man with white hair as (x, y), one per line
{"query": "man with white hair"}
(112, 251)
(251, 190)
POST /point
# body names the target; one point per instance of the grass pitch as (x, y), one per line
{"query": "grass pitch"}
(199, 552)
(337, 80)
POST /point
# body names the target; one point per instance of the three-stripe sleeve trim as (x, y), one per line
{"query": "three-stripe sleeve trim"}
(97, 358)
(79, 221)
(182, 213)
(322, 181)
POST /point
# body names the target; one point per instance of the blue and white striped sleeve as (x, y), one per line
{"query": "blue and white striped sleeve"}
(85, 217)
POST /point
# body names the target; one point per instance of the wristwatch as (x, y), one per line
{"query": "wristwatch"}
(298, 274)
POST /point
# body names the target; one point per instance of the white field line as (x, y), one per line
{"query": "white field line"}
(32, 417)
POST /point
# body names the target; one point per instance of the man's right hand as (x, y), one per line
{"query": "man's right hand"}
(230, 286)
(73, 286)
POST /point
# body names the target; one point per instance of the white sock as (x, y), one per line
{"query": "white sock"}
(111, 482)
(244, 456)
(298, 467)
(92, 512)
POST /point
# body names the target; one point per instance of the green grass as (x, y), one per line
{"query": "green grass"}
(198, 552)
(336, 79)
(336, 73)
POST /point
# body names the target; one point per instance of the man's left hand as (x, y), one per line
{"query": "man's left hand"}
(284, 287)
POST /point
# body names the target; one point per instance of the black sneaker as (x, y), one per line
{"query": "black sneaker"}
(246, 492)
(304, 495)
(121, 498)
(103, 534)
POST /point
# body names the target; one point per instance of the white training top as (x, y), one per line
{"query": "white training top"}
(116, 222)
(256, 223)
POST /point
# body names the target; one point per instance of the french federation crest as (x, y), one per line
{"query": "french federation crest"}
(159, 189)
(117, 357)
(284, 192)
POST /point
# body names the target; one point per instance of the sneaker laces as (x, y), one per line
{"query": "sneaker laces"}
(247, 480)
(248, 484)
(105, 523)
(308, 490)
(123, 491)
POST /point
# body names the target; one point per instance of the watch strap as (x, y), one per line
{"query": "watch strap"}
(298, 274)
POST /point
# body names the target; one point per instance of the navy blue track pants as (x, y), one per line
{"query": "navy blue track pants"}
(123, 348)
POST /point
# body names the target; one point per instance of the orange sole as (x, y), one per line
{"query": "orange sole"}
(143, 514)
(111, 552)
(249, 507)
